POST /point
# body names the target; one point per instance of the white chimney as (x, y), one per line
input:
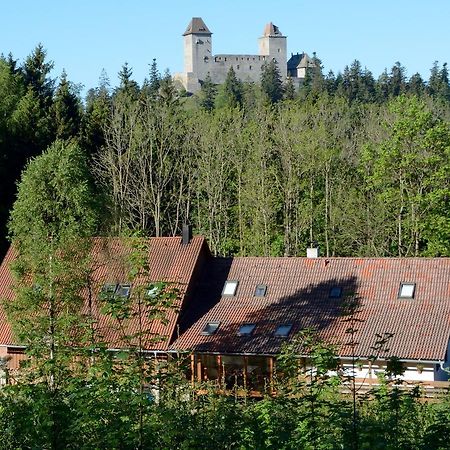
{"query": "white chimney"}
(312, 252)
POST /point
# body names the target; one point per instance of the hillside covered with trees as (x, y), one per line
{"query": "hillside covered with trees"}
(358, 165)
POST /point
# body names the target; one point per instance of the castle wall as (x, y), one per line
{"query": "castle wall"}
(246, 67)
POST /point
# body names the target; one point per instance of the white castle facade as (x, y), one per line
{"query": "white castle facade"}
(199, 60)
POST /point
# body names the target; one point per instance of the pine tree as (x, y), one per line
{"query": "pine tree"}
(289, 89)
(127, 86)
(231, 93)
(97, 115)
(155, 79)
(67, 110)
(36, 73)
(207, 95)
(271, 83)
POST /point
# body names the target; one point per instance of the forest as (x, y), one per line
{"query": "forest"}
(355, 165)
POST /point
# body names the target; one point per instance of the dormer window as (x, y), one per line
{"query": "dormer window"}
(210, 328)
(260, 290)
(283, 330)
(246, 329)
(335, 292)
(407, 290)
(229, 289)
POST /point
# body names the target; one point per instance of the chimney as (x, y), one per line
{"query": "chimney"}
(187, 234)
(312, 252)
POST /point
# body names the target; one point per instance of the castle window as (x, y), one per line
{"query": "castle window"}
(237, 59)
(250, 67)
(237, 66)
(278, 50)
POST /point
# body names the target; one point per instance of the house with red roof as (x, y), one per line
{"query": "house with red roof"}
(233, 315)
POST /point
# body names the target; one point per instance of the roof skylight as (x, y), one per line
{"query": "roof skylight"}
(229, 289)
(123, 290)
(335, 292)
(153, 291)
(407, 290)
(260, 290)
(210, 328)
(109, 288)
(283, 330)
(246, 329)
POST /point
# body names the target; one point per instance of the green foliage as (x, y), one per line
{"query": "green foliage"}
(271, 82)
(230, 94)
(67, 110)
(207, 95)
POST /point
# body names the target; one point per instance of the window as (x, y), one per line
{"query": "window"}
(210, 328)
(153, 290)
(229, 289)
(109, 288)
(123, 290)
(15, 350)
(237, 67)
(246, 329)
(260, 290)
(335, 292)
(407, 290)
(283, 330)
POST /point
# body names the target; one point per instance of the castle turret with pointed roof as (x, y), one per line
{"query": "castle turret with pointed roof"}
(199, 60)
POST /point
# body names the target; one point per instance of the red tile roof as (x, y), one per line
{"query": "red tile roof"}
(169, 261)
(298, 293)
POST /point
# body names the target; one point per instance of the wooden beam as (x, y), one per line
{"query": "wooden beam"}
(199, 369)
(245, 371)
(192, 369)
(271, 374)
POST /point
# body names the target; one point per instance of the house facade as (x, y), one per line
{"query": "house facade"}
(233, 315)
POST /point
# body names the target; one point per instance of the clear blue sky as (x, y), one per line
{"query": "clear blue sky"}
(86, 36)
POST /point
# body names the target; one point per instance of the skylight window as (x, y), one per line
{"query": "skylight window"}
(123, 290)
(260, 290)
(109, 288)
(407, 290)
(335, 292)
(229, 289)
(283, 330)
(246, 329)
(153, 291)
(210, 328)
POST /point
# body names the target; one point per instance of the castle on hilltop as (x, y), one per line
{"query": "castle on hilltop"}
(199, 60)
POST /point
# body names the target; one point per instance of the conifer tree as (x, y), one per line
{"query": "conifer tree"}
(271, 83)
(207, 95)
(231, 92)
(67, 110)
(289, 89)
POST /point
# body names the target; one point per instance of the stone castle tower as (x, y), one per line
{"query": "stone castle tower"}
(199, 60)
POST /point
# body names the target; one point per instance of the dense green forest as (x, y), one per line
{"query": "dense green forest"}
(359, 166)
